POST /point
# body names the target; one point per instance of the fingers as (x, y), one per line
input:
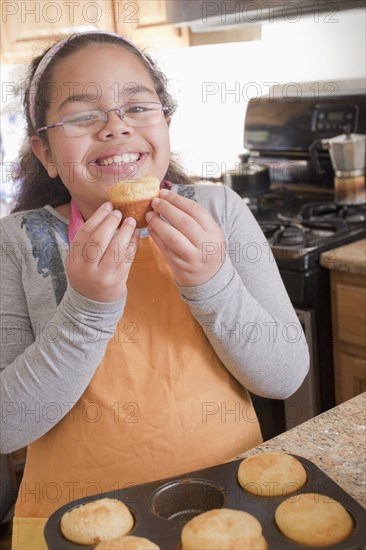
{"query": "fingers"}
(182, 229)
(100, 241)
(170, 238)
(181, 233)
(194, 209)
(98, 265)
(189, 224)
(183, 213)
(174, 251)
(98, 227)
(122, 247)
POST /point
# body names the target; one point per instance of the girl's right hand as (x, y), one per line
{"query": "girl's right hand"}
(100, 257)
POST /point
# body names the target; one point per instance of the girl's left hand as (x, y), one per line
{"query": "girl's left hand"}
(192, 242)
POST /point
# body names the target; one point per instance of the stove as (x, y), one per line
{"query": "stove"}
(301, 220)
(299, 228)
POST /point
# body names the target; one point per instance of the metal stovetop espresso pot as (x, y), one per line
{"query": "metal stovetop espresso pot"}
(347, 154)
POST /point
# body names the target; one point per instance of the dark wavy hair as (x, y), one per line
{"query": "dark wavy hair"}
(34, 186)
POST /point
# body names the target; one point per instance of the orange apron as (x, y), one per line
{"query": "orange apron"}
(161, 403)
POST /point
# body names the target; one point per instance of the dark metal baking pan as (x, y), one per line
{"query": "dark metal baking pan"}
(161, 508)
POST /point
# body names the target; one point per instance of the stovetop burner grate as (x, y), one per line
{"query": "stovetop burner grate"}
(287, 233)
(298, 230)
(352, 214)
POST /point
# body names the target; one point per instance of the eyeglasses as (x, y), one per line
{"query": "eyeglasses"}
(136, 114)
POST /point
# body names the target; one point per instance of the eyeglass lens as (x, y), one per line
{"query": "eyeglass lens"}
(136, 114)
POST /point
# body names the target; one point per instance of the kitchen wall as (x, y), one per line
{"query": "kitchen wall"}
(212, 84)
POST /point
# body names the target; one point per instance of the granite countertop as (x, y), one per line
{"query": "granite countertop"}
(334, 441)
(350, 258)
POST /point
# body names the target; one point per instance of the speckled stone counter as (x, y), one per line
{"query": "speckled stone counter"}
(334, 441)
(350, 258)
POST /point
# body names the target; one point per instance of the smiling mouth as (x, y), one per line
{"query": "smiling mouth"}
(119, 159)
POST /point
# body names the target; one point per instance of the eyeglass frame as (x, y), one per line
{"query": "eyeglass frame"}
(164, 110)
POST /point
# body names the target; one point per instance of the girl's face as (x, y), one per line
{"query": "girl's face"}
(101, 77)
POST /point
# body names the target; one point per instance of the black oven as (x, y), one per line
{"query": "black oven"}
(300, 219)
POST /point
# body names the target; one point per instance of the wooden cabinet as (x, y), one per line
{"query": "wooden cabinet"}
(28, 27)
(349, 333)
(145, 22)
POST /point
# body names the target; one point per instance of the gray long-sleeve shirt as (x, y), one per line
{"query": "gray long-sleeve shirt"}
(53, 338)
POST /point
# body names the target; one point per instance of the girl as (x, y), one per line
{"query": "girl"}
(127, 359)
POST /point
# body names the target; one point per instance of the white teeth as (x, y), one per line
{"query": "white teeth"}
(119, 159)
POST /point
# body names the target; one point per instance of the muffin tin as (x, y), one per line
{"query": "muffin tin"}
(161, 508)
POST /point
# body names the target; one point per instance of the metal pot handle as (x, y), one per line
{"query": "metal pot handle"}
(314, 149)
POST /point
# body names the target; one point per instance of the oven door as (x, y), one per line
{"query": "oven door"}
(305, 402)
(277, 416)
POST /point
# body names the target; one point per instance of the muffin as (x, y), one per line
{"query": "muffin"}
(127, 543)
(271, 474)
(133, 198)
(96, 521)
(224, 529)
(313, 520)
